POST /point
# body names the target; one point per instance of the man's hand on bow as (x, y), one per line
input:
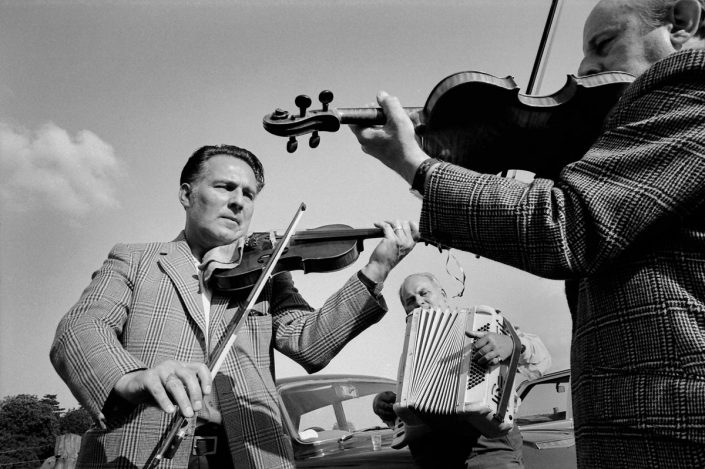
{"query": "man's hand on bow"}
(169, 384)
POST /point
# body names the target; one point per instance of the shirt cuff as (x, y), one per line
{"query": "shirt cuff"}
(373, 287)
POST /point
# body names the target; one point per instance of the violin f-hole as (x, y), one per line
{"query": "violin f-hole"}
(264, 258)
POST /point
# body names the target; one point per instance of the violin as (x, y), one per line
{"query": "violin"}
(482, 122)
(324, 249)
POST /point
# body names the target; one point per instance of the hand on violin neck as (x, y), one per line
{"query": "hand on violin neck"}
(393, 143)
(399, 239)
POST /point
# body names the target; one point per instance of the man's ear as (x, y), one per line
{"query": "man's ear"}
(443, 292)
(685, 18)
(185, 195)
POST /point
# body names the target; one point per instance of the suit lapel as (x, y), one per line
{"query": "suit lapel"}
(180, 268)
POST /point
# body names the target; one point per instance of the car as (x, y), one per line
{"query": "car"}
(545, 419)
(331, 423)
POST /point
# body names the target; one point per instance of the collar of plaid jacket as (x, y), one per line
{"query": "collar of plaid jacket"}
(670, 69)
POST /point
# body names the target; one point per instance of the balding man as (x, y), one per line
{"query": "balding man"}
(625, 223)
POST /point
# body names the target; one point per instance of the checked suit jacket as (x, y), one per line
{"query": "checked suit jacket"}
(626, 224)
(143, 306)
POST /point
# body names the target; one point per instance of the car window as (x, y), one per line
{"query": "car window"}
(337, 407)
(357, 413)
(545, 401)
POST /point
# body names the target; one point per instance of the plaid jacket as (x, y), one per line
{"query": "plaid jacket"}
(627, 224)
(143, 307)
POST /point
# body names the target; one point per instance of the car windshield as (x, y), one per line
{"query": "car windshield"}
(544, 401)
(329, 409)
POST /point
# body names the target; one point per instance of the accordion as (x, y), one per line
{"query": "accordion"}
(438, 376)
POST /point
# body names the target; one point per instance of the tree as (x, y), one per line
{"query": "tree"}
(50, 400)
(75, 421)
(28, 429)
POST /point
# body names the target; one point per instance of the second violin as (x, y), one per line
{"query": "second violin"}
(482, 122)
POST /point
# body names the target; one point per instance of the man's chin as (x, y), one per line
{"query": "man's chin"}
(224, 237)
(230, 236)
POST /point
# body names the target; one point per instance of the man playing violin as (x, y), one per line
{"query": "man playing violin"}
(132, 350)
(625, 224)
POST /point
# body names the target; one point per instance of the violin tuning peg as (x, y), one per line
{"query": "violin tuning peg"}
(325, 97)
(279, 114)
(314, 140)
(292, 145)
(303, 102)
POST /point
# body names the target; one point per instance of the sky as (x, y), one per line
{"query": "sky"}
(102, 102)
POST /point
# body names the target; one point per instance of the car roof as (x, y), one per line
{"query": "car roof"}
(331, 377)
(561, 375)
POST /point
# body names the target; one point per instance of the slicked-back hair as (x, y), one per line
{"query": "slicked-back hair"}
(658, 12)
(194, 166)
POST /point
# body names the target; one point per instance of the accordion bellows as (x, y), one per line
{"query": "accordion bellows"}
(438, 377)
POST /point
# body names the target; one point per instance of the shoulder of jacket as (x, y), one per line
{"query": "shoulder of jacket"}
(141, 252)
(679, 68)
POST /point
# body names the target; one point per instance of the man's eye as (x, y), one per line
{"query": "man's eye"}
(602, 45)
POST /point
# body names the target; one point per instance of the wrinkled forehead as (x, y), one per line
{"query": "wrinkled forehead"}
(227, 167)
(608, 15)
(414, 283)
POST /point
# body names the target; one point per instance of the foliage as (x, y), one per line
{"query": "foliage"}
(50, 400)
(75, 421)
(29, 427)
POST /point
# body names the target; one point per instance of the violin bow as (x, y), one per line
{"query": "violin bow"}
(539, 56)
(542, 45)
(177, 429)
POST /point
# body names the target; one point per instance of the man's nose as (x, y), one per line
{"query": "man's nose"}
(588, 67)
(236, 198)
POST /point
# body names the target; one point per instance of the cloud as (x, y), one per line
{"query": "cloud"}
(50, 169)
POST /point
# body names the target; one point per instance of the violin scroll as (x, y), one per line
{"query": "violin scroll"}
(284, 124)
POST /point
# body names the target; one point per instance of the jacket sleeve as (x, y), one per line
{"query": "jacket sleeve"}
(642, 176)
(86, 351)
(312, 337)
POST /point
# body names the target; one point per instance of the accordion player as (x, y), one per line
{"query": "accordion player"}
(438, 376)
